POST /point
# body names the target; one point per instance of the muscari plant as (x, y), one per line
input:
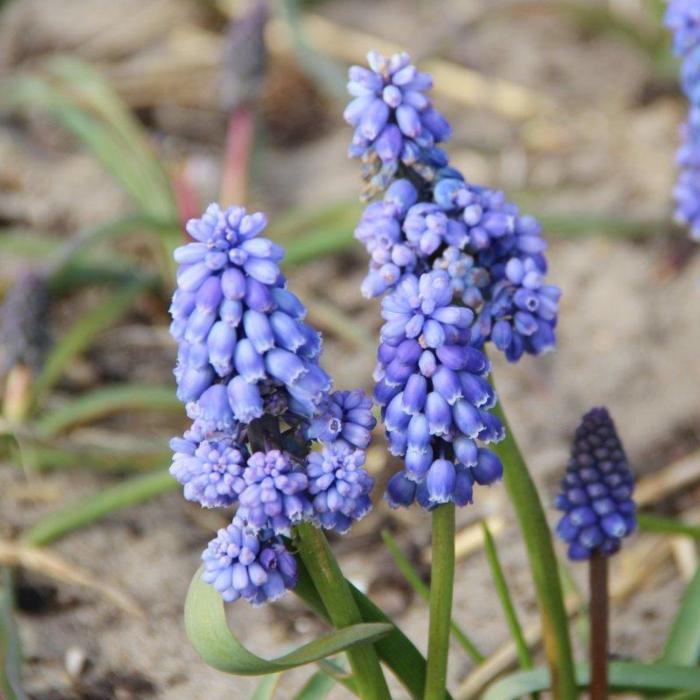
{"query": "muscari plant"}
(458, 267)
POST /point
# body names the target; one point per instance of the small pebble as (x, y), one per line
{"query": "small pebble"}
(75, 662)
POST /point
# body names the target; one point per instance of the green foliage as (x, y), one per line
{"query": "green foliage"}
(543, 563)
(623, 676)
(666, 526)
(266, 688)
(81, 334)
(106, 401)
(91, 508)
(499, 581)
(212, 639)
(10, 648)
(683, 643)
(414, 580)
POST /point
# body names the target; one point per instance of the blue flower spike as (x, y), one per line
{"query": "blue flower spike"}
(596, 492)
(269, 438)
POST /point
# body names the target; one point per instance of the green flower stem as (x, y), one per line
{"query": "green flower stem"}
(342, 609)
(543, 563)
(441, 585)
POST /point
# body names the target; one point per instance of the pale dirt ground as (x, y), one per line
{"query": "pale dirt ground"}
(628, 338)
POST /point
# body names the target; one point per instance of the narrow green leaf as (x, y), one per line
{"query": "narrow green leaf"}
(543, 562)
(338, 673)
(86, 86)
(397, 651)
(82, 332)
(79, 247)
(107, 401)
(624, 677)
(416, 582)
(212, 639)
(666, 526)
(317, 687)
(29, 90)
(317, 244)
(683, 644)
(265, 690)
(75, 455)
(298, 222)
(10, 647)
(499, 580)
(91, 508)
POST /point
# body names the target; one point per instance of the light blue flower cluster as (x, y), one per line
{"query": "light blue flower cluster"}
(249, 374)
(596, 492)
(461, 267)
(434, 395)
(683, 19)
(493, 254)
(394, 121)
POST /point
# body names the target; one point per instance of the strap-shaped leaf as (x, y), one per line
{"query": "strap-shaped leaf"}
(624, 676)
(106, 401)
(213, 640)
(317, 687)
(265, 690)
(683, 643)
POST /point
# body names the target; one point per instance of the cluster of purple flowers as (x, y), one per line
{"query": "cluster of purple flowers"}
(395, 123)
(596, 492)
(249, 374)
(460, 267)
(683, 18)
(493, 255)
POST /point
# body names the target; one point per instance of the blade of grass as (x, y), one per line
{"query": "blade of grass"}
(29, 90)
(319, 243)
(414, 580)
(88, 87)
(543, 563)
(666, 526)
(683, 644)
(92, 508)
(265, 690)
(75, 455)
(317, 687)
(499, 580)
(106, 401)
(10, 647)
(625, 676)
(82, 332)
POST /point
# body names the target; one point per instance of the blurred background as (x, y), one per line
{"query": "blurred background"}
(119, 120)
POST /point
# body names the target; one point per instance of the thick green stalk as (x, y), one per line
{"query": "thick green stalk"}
(442, 573)
(543, 563)
(342, 609)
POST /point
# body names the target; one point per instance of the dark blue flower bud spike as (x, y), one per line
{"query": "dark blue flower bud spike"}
(596, 498)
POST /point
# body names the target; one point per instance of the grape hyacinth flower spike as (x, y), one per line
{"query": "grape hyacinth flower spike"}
(683, 19)
(260, 403)
(459, 267)
(596, 492)
(599, 511)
